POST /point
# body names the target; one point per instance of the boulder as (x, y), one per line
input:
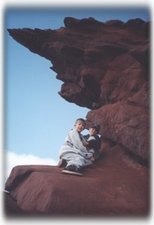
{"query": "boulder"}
(114, 186)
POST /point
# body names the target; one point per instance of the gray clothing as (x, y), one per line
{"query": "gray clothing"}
(74, 152)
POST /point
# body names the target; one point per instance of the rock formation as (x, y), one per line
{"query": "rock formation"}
(113, 186)
(104, 67)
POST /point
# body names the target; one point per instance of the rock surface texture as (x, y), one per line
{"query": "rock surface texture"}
(104, 67)
(113, 186)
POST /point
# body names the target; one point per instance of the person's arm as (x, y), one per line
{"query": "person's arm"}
(74, 138)
(84, 141)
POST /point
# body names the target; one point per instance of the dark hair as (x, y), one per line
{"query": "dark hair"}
(80, 119)
(96, 127)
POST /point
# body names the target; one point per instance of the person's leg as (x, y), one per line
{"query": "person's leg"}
(76, 160)
(75, 163)
(62, 163)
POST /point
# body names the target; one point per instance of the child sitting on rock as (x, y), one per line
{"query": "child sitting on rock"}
(73, 154)
(92, 141)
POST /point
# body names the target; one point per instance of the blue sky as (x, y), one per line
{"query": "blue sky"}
(37, 119)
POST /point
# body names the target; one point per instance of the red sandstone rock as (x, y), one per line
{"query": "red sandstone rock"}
(113, 186)
(124, 123)
(105, 67)
(101, 64)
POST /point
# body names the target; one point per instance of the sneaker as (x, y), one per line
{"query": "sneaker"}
(72, 169)
(62, 163)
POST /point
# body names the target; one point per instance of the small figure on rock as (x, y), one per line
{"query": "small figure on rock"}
(77, 151)
(92, 141)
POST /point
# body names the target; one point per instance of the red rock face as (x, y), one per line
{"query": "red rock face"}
(114, 186)
(105, 67)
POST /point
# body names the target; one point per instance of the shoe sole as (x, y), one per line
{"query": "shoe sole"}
(72, 172)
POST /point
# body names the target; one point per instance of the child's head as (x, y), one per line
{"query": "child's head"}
(80, 124)
(93, 130)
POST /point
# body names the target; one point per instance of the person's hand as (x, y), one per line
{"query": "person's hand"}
(85, 142)
(92, 158)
